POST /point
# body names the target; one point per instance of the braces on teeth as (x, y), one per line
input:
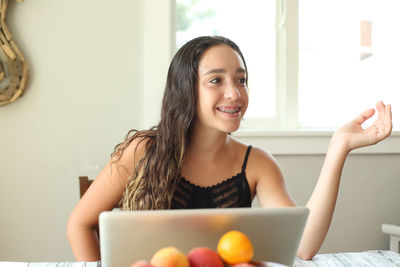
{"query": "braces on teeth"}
(229, 110)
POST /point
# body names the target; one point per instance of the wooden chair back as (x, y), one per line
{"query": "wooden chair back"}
(84, 184)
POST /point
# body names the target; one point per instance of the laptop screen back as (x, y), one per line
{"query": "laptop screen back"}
(128, 236)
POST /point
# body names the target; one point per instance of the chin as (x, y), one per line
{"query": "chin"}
(231, 129)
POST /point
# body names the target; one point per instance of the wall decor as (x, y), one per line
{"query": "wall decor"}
(13, 67)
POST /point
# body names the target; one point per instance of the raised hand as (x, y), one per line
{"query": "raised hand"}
(354, 136)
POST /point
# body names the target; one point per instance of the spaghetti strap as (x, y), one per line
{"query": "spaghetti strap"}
(246, 157)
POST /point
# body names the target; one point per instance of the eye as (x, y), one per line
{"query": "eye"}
(215, 80)
(242, 80)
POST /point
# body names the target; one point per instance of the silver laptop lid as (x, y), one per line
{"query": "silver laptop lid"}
(128, 236)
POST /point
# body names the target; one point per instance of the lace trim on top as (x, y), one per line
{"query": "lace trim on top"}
(232, 192)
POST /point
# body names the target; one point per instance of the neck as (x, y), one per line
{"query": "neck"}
(210, 143)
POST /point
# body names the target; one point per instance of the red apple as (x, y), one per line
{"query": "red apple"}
(204, 257)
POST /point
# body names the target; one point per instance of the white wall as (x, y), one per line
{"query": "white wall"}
(85, 92)
(369, 196)
(97, 70)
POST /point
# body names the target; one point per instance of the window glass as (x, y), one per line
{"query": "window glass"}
(249, 24)
(348, 59)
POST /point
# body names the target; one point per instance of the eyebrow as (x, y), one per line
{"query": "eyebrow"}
(239, 70)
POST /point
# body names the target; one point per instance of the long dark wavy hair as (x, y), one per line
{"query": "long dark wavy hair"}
(153, 181)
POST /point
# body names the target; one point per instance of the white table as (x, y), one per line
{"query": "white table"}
(371, 258)
(49, 264)
(78, 264)
(381, 258)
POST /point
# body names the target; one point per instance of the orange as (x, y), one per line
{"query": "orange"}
(169, 257)
(235, 247)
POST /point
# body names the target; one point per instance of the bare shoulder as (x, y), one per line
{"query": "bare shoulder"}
(128, 153)
(108, 188)
(268, 182)
(258, 157)
(262, 165)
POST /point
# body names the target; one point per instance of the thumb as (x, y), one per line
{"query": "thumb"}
(361, 118)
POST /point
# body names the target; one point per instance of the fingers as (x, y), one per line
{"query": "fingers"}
(388, 110)
(388, 119)
(384, 111)
(360, 119)
(384, 120)
(380, 107)
(385, 115)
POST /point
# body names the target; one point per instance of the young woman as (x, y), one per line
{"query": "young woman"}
(189, 160)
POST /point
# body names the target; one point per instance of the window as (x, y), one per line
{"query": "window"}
(348, 59)
(313, 64)
(251, 26)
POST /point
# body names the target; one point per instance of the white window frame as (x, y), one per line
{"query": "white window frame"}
(282, 136)
(287, 64)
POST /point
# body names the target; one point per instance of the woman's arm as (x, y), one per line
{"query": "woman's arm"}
(104, 194)
(271, 190)
(323, 199)
(322, 202)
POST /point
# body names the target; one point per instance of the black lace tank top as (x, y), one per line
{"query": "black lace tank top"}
(233, 192)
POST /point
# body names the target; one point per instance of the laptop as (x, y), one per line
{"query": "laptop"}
(128, 236)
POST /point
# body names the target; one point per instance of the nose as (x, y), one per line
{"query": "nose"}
(232, 91)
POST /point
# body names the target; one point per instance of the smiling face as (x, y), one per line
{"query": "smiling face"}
(221, 89)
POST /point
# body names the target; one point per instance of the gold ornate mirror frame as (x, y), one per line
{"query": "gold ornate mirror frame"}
(13, 67)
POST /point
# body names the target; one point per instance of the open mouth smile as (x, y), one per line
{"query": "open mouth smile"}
(232, 111)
